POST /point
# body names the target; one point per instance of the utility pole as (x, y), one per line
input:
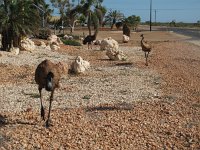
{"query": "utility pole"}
(155, 15)
(150, 12)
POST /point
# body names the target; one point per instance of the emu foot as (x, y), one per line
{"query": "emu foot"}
(48, 123)
(42, 113)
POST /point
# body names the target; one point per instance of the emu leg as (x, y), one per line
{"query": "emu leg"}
(51, 99)
(42, 112)
(146, 58)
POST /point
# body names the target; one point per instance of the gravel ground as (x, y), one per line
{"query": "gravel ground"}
(114, 105)
(116, 83)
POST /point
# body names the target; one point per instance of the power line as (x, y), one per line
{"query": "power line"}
(169, 9)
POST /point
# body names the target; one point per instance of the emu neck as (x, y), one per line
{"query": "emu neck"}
(142, 39)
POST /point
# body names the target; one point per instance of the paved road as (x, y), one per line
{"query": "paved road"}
(193, 33)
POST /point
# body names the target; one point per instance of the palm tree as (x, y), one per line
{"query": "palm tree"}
(133, 21)
(18, 18)
(94, 16)
(113, 16)
(48, 12)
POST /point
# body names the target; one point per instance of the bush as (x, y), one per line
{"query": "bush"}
(119, 25)
(60, 35)
(71, 42)
(43, 33)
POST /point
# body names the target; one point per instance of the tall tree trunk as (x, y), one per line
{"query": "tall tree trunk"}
(6, 43)
(89, 23)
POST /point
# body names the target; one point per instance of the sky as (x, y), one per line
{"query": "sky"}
(162, 10)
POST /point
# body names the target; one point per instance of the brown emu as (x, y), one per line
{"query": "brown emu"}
(47, 75)
(146, 48)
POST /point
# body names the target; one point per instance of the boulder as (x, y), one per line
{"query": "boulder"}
(66, 37)
(14, 50)
(54, 39)
(125, 38)
(109, 44)
(79, 65)
(97, 42)
(27, 45)
(42, 44)
(54, 47)
(116, 54)
(54, 42)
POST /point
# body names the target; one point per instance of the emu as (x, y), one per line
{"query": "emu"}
(90, 38)
(146, 48)
(47, 75)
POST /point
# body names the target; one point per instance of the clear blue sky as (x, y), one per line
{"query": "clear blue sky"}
(166, 10)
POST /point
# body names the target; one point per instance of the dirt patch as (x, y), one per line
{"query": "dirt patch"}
(15, 74)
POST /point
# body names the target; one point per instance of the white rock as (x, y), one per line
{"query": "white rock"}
(14, 50)
(80, 65)
(70, 37)
(109, 44)
(97, 42)
(55, 39)
(54, 47)
(126, 38)
(66, 37)
(42, 44)
(27, 45)
(116, 55)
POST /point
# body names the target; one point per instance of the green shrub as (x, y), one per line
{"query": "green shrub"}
(43, 33)
(71, 42)
(60, 35)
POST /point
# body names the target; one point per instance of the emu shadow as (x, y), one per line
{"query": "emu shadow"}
(119, 106)
(105, 59)
(2, 121)
(126, 64)
(32, 95)
(5, 121)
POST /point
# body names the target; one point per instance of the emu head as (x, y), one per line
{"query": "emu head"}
(85, 41)
(142, 35)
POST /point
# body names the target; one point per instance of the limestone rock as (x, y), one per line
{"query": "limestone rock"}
(66, 37)
(97, 42)
(116, 55)
(14, 50)
(27, 45)
(54, 39)
(125, 38)
(54, 42)
(80, 65)
(109, 44)
(42, 44)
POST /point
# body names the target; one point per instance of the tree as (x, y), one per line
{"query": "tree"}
(63, 6)
(92, 10)
(133, 21)
(114, 16)
(18, 18)
(47, 12)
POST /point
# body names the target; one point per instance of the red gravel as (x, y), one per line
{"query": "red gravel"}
(170, 123)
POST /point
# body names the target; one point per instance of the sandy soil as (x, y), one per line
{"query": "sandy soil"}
(169, 119)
